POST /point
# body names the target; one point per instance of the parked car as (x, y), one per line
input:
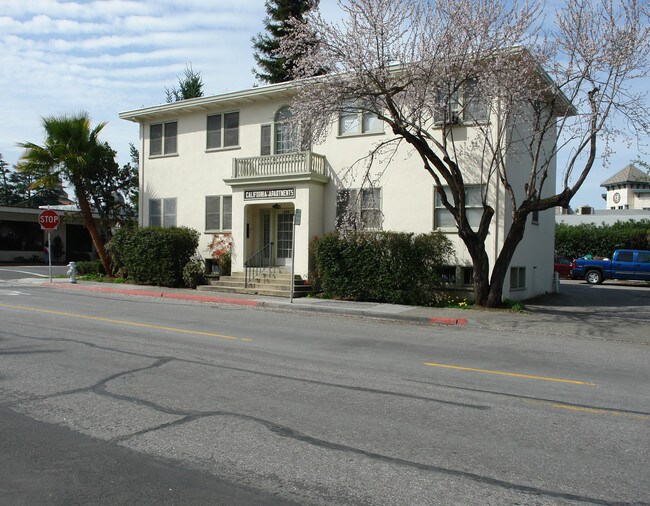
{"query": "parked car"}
(625, 264)
(563, 266)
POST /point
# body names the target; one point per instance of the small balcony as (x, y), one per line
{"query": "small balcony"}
(304, 165)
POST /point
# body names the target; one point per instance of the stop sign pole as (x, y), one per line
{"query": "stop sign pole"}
(49, 220)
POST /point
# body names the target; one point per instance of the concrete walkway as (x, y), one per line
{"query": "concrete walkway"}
(607, 312)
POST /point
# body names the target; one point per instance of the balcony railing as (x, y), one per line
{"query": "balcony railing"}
(304, 162)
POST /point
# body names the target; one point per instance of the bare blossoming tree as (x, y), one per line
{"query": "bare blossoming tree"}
(487, 94)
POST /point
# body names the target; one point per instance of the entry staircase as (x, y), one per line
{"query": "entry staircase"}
(274, 281)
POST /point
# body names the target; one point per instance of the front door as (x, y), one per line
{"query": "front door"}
(284, 237)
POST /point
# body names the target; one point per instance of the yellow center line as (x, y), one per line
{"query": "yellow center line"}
(122, 322)
(595, 411)
(512, 374)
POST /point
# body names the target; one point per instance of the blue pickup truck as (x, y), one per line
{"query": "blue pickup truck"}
(625, 264)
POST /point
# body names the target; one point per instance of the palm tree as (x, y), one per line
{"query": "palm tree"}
(70, 152)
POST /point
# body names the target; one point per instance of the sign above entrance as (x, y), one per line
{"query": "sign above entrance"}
(276, 193)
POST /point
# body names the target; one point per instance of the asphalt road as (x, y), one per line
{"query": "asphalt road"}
(269, 406)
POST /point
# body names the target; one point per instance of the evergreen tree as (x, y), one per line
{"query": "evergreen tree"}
(274, 68)
(16, 189)
(191, 86)
(5, 189)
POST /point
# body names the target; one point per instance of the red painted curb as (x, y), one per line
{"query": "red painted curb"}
(448, 321)
(205, 298)
(147, 293)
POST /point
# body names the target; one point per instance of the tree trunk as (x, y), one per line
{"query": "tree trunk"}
(481, 263)
(90, 225)
(500, 270)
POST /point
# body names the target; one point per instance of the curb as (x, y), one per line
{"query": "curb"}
(424, 320)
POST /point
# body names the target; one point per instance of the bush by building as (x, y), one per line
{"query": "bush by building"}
(394, 267)
(574, 241)
(153, 255)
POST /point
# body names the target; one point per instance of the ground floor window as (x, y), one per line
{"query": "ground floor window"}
(517, 278)
(218, 212)
(359, 209)
(442, 218)
(162, 212)
(20, 236)
(456, 276)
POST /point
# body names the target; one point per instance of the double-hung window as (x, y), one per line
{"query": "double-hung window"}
(162, 138)
(223, 130)
(355, 121)
(218, 212)
(465, 104)
(162, 212)
(442, 218)
(359, 209)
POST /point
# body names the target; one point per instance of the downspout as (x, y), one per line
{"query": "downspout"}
(141, 177)
(497, 200)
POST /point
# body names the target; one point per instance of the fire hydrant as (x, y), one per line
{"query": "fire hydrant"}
(72, 272)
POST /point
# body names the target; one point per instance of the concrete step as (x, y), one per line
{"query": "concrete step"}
(268, 283)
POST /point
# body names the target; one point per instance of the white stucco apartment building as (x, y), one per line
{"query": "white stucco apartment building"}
(223, 164)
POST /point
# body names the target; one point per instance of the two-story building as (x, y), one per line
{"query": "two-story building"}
(224, 164)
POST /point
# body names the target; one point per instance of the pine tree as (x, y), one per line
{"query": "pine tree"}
(191, 86)
(272, 67)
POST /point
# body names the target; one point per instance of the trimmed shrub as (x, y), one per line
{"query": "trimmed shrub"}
(394, 267)
(89, 267)
(153, 255)
(194, 273)
(574, 241)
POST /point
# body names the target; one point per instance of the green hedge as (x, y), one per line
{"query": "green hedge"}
(153, 255)
(89, 267)
(574, 241)
(393, 267)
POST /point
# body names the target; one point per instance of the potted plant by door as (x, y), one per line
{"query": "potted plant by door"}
(220, 249)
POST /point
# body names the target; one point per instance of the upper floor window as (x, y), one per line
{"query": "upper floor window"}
(280, 138)
(218, 212)
(355, 121)
(162, 212)
(223, 130)
(359, 209)
(465, 104)
(162, 138)
(442, 218)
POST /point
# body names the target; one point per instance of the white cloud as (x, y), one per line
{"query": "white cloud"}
(113, 55)
(107, 56)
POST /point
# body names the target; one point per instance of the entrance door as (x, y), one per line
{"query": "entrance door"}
(284, 237)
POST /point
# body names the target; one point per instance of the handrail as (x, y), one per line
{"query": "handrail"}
(254, 266)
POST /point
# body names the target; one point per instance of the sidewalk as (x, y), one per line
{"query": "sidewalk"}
(564, 314)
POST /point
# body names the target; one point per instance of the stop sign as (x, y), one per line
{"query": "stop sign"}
(48, 219)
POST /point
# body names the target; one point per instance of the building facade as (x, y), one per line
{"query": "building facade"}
(23, 241)
(629, 188)
(225, 165)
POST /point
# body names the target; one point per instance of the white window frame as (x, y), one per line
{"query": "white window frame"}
(271, 142)
(223, 138)
(361, 122)
(517, 278)
(355, 205)
(223, 212)
(164, 217)
(167, 146)
(473, 217)
(463, 107)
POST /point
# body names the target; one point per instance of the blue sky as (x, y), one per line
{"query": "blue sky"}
(106, 56)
